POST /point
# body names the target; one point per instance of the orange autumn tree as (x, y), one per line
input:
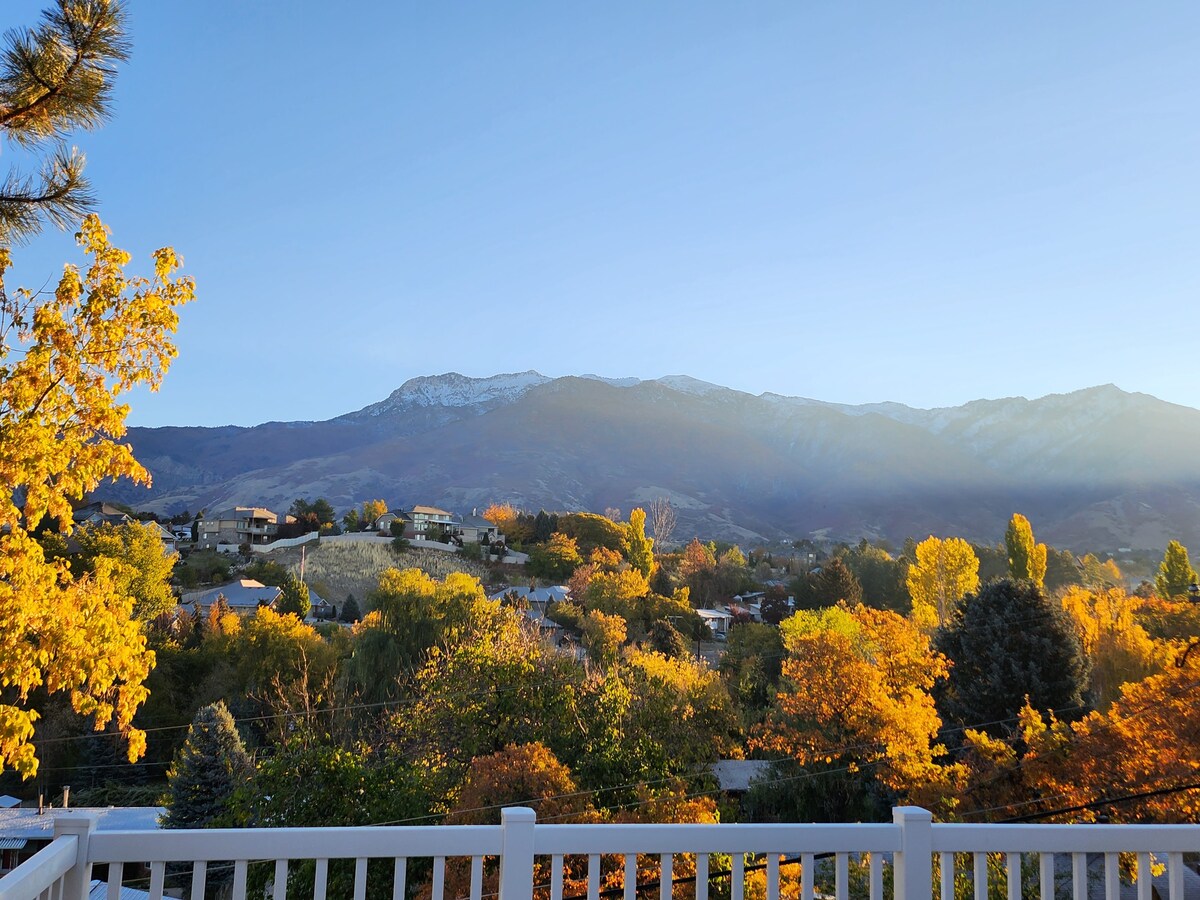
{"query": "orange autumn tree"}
(519, 775)
(66, 361)
(856, 696)
(1143, 753)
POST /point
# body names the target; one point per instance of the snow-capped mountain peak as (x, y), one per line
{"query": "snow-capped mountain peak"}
(455, 390)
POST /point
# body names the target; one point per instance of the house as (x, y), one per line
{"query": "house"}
(236, 526)
(101, 514)
(475, 529)
(428, 523)
(244, 596)
(384, 523)
(718, 622)
(106, 514)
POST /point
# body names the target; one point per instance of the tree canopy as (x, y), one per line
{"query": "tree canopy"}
(67, 360)
(1026, 558)
(1007, 643)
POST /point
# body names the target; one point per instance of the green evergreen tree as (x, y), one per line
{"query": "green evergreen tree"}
(835, 582)
(1005, 643)
(640, 552)
(1026, 559)
(666, 639)
(1175, 572)
(350, 611)
(209, 767)
(55, 79)
(295, 598)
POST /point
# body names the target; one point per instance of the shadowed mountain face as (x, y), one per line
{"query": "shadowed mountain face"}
(1095, 469)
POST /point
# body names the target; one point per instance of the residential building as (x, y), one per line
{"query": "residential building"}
(244, 596)
(236, 526)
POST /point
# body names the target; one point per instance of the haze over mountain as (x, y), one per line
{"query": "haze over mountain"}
(1094, 469)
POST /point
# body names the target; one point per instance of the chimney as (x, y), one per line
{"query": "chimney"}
(41, 805)
(66, 796)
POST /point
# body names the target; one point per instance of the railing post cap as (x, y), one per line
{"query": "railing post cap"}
(513, 815)
(911, 814)
(75, 823)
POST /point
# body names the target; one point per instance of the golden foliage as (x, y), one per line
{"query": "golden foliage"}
(945, 572)
(66, 360)
(1121, 650)
(858, 692)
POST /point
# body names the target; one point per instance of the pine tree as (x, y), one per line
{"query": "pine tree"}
(55, 79)
(1006, 643)
(295, 598)
(1026, 559)
(1175, 572)
(209, 766)
(350, 610)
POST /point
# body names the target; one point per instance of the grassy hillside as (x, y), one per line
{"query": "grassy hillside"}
(353, 568)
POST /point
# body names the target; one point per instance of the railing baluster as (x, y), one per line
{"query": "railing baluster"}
(556, 877)
(842, 883)
(876, 876)
(116, 874)
(594, 876)
(979, 871)
(279, 888)
(666, 874)
(1145, 876)
(158, 875)
(772, 876)
(360, 878)
(239, 879)
(1112, 877)
(1175, 876)
(737, 878)
(1046, 875)
(199, 877)
(630, 877)
(1079, 876)
(1012, 870)
(808, 865)
(439, 877)
(321, 879)
(476, 878)
(701, 876)
(947, 876)
(399, 877)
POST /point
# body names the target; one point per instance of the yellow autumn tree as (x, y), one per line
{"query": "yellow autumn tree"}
(1121, 650)
(945, 572)
(856, 693)
(66, 361)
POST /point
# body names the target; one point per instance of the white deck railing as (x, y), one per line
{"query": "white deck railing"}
(909, 859)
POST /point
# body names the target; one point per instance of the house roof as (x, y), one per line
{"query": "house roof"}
(473, 521)
(25, 823)
(99, 891)
(432, 511)
(713, 614)
(243, 512)
(736, 774)
(243, 594)
(554, 594)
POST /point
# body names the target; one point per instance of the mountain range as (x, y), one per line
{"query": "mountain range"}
(1095, 469)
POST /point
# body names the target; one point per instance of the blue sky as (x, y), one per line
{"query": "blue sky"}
(926, 203)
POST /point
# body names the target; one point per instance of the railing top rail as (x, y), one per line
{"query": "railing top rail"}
(1014, 838)
(792, 838)
(179, 845)
(41, 870)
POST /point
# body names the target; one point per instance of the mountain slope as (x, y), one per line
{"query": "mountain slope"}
(1097, 468)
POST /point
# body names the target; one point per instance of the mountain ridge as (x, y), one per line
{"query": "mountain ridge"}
(1082, 464)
